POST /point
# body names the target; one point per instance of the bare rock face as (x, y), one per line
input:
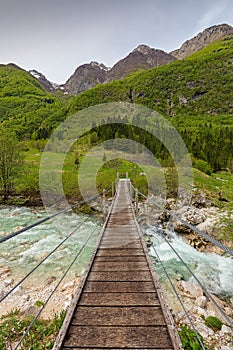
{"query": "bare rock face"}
(143, 57)
(89, 75)
(86, 77)
(202, 39)
(48, 86)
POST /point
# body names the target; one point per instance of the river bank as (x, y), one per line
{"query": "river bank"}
(25, 251)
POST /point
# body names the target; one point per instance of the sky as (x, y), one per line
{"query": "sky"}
(56, 36)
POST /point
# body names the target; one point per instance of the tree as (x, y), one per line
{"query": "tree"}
(10, 160)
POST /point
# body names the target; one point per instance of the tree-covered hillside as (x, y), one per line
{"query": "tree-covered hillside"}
(195, 94)
(25, 106)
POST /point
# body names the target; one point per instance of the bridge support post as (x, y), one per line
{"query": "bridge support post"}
(113, 189)
(136, 201)
(104, 202)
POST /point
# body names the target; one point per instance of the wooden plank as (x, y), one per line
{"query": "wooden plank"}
(119, 316)
(122, 245)
(125, 258)
(119, 287)
(120, 276)
(119, 266)
(120, 252)
(119, 299)
(122, 337)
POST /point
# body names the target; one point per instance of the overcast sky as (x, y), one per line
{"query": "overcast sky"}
(56, 36)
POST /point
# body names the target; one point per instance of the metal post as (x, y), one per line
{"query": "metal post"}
(136, 201)
(104, 202)
(117, 181)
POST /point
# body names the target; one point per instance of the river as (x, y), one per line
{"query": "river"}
(22, 253)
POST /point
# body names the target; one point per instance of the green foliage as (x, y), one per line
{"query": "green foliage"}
(195, 94)
(25, 107)
(39, 303)
(10, 161)
(213, 323)
(41, 336)
(189, 339)
(203, 166)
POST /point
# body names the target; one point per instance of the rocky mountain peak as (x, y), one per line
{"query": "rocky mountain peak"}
(48, 86)
(144, 49)
(202, 39)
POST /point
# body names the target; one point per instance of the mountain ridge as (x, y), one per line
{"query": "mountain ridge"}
(143, 57)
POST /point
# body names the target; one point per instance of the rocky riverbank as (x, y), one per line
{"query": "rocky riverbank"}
(199, 308)
(205, 216)
(201, 213)
(29, 299)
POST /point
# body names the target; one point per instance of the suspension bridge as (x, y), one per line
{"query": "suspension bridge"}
(119, 303)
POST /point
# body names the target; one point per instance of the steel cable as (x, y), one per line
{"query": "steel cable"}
(216, 243)
(179, 299)
(53, 292)
(18, 232)
(200, 283)
(42, 261)
(195, 229)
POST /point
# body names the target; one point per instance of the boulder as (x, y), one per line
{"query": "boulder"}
(204, 330)
(225, 330)
(201, 301)
(189, 289)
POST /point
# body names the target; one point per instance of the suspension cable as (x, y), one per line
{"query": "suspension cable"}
(195, 229)
(55, 289)
(16, 233)
(200, 283)
(42, 261)
(179, 299)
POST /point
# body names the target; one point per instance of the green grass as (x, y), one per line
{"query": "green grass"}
(41, 336)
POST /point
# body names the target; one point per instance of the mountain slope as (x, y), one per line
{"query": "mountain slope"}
(143, 57)
(202, 39)
(195, 94)
(201, 84)
(24, 104)
(85, 77)
(89, 75)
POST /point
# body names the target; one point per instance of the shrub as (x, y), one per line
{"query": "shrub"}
(203, 166)
(189, 339)
(213, 323)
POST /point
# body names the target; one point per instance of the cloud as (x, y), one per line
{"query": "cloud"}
(210, 17)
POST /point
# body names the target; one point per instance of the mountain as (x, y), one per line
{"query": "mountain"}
(48, 86)
(25, 106)
(201, 84)
(195, 94)
(89, 75)
(202, 39)
(86, 77)
(143, 57)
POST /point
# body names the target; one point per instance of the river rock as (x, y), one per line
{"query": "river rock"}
(189, 289)
(225, 330)
(199, 311)
(50, 280)
(5, 272)
(192, 216)
(201, 301)
(31, 311)
(8, 283)
(204, 330)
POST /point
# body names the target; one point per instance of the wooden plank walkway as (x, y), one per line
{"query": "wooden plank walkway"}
(119, 304)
